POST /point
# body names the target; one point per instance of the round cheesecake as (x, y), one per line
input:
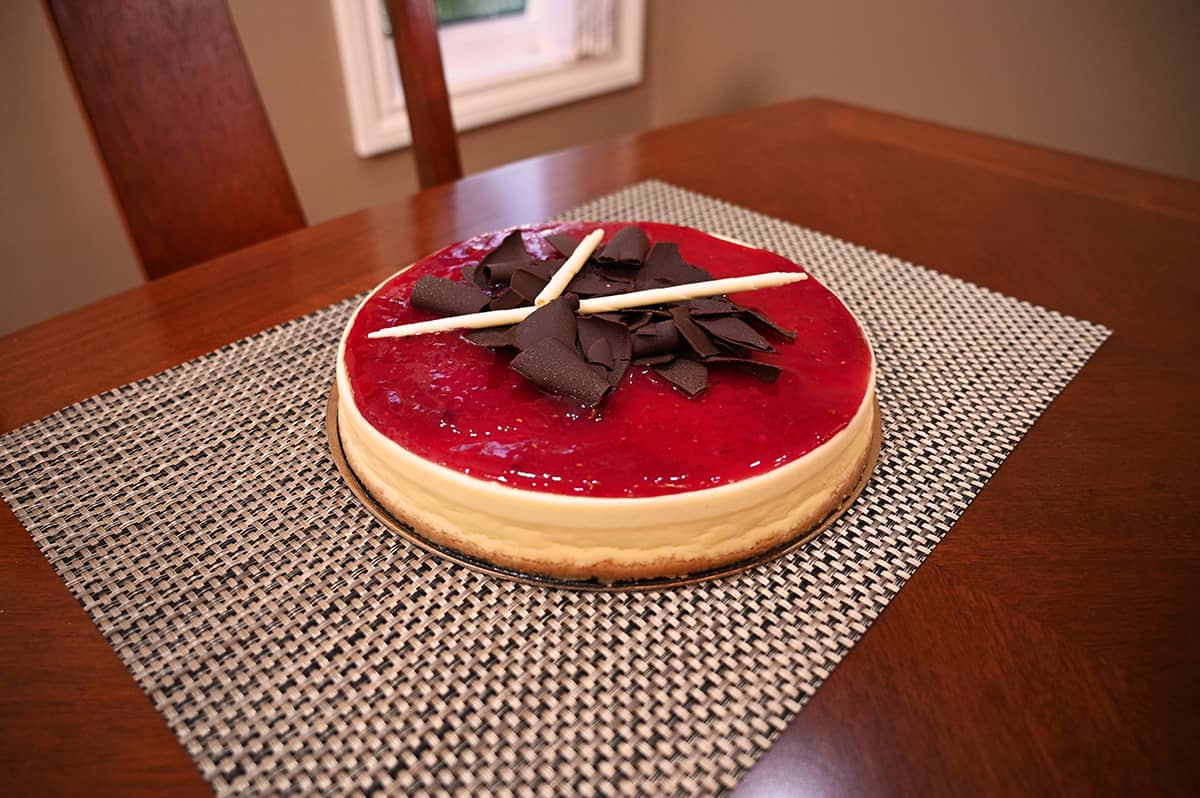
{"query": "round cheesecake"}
(654, 480)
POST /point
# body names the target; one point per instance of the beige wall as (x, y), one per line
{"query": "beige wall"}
(61, 240)
(1113, 79)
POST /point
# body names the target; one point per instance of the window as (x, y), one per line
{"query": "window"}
(450, 11)
(550, 52)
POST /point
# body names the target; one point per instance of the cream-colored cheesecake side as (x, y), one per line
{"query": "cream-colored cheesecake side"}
(603, 537)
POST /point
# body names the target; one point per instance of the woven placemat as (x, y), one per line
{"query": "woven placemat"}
(294, 645)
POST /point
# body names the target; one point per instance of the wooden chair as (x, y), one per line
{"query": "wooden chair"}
(434, 141)
(179, 124)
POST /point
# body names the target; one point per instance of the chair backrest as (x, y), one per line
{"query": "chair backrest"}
(179, 124)
(434, 141)
(178, 121)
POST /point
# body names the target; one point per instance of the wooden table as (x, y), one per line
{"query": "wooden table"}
(1048, 646)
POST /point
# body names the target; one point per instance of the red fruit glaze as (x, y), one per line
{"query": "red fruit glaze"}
(460, 405)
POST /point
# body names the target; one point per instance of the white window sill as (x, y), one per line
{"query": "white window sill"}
(377, 113)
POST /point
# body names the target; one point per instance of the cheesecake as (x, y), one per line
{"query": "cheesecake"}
(653, 442)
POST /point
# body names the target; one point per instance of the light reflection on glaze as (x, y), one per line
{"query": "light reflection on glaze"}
(460, 406)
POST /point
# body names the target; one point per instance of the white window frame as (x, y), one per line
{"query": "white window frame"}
(548, 77)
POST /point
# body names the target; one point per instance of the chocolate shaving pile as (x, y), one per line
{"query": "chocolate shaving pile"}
(585, 357)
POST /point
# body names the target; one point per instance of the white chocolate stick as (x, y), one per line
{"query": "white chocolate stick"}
(469, 321)
(562, 277)
(600, 304)
(678, 293)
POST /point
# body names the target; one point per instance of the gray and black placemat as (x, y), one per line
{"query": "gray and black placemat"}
(295, 646)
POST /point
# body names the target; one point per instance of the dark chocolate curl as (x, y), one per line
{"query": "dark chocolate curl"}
(734, 331)
(616, 335)
(665, 266)
(555, 320)
(767, 372)
(764, 322)
(480, 275)
(507, 300)
(607, 343)
(590, 283)
(637, 319)
(732, 350)
(600, 353)
(499, 264)
(491, 337)
(656, 337)
(711, 306)
(557, 368)
(617, 372)
(613, 273)
(564, 243)
(447, 297)
(527, 284)
(687, 375)
(628, 247)
(700, 341)
(545, 268)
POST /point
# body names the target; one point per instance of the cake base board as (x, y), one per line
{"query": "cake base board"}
(476, 564)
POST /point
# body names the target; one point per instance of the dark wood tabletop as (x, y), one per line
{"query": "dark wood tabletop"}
(1049, 644)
